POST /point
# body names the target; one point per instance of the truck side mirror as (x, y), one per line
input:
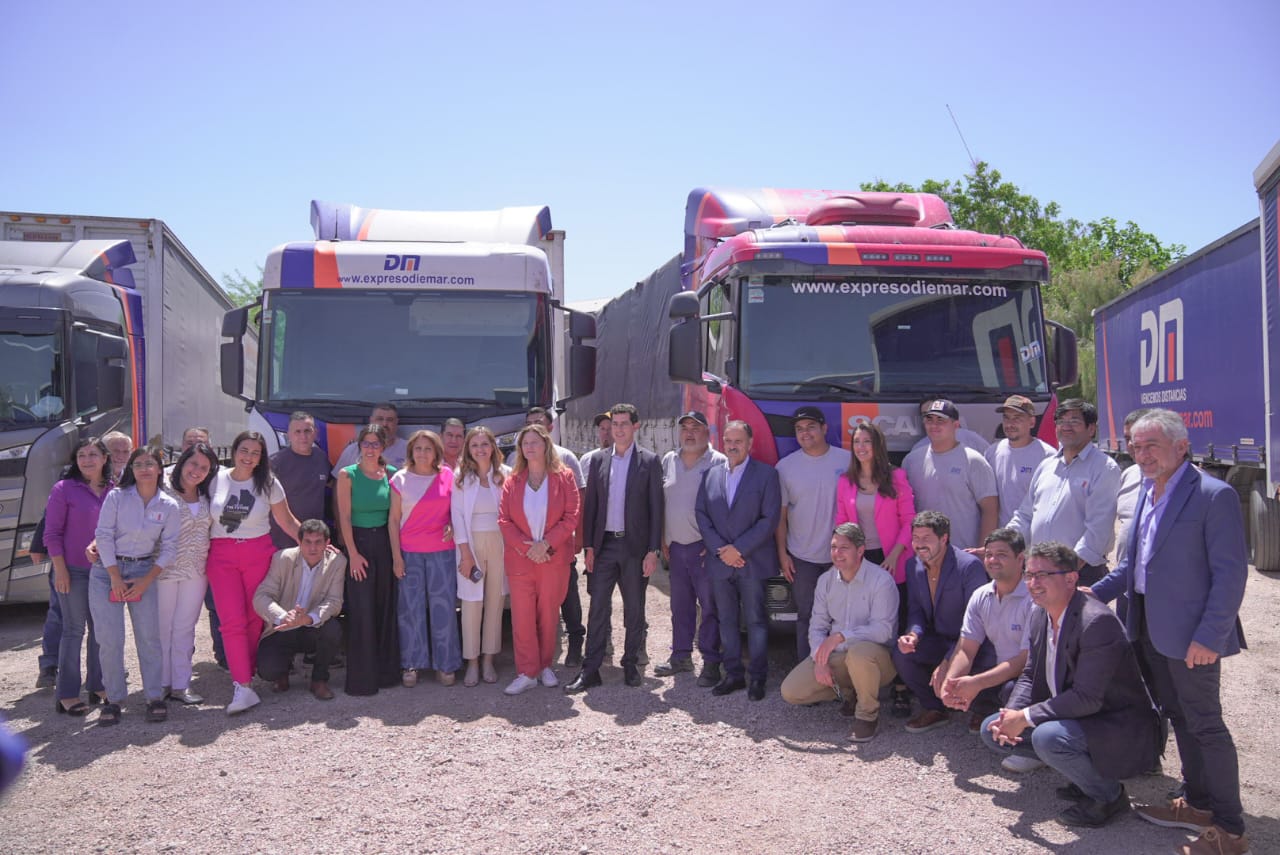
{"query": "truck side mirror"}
(684, 351)
(582, 369)
(235, 324)
(1064, 367)
(111, 372)
(682, 306)
(581, 326)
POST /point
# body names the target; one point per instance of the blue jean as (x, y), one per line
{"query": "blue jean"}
(75, 617)
(729, 593)
(691, 589)
(52, 638)
(145, 617)
(426, 612)
(1062, 745)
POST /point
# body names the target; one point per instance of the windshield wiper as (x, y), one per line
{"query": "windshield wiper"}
(447, 399)
(326, 402)
(934, 388)
(820, 384)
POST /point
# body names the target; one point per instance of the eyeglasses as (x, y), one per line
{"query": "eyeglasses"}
(1040, 577)
(1072, 422)
(371, 444)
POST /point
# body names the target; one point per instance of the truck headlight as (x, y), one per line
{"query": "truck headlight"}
(17, 452)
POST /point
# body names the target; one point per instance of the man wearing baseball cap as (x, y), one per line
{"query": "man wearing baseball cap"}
(682, 546)
(808, 478)
(1014, 459)
(953, 479)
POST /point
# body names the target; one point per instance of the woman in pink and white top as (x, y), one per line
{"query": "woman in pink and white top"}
(424, 561)
(477, 490)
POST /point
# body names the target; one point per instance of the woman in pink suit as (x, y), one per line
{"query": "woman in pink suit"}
(538, 515)
(875, 494)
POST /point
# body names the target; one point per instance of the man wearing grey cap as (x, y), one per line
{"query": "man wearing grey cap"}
(1014, 459)
(686, 554)
(808, 478)
(953, 479)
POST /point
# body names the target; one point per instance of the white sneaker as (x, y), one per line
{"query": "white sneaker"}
(548, 678)
(520, 684)
(242, 699)
(1020, 763)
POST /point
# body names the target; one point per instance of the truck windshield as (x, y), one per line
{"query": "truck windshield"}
(30, 378)
(880, 335)
(429, 350)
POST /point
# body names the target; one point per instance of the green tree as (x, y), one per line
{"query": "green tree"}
(240, 289)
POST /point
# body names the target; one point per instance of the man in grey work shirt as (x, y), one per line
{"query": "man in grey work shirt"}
(682, 546)
(998, 611)
(808, 479)
(954, 480)
(855, 613)
(1072, 497)
(1014, 459)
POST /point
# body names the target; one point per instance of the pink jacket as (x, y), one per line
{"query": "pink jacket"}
(893, 517)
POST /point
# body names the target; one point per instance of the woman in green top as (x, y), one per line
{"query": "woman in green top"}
(364, 500)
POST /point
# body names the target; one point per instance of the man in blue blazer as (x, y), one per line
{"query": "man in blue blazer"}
(1184, 572)
(737, 508)
(940, 581)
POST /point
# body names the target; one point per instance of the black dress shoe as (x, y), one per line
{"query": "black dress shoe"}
(585, 680)
(1091, 814)
(631, 675)
(756, 691)
(1071, 793)
(710, 675)
(729, 685)
(573, 659)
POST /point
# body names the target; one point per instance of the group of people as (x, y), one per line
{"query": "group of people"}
(958, 582)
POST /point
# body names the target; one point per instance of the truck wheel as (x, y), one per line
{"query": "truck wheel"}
(1242, 479)
(1264, 517)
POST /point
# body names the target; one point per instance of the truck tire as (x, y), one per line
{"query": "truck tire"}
(1264, 518)
(1242, 480)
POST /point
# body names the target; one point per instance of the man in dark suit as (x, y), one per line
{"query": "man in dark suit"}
(1080, 694)
(940, 581)
(1184, 572)
(622, 530)
(737, 508)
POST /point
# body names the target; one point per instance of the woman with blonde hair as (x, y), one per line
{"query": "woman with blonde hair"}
(538, 516)
(425, 564)
(477, 491)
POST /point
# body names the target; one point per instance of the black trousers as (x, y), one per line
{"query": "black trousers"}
(571, 608)
(276, 651)
(614, 568)
(373, 635)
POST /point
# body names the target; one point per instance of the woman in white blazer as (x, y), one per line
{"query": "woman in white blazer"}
(477, 489)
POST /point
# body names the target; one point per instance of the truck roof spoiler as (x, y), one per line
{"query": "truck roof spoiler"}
(335, 221)
(103, 260)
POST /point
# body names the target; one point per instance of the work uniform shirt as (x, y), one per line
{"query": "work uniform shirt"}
(131, 528)
(952, 482)
(1004, 620)
(808, 486)
(1073, 503)
(1013, 468)
(680, 488)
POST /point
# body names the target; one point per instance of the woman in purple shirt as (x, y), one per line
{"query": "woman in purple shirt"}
(70, 519)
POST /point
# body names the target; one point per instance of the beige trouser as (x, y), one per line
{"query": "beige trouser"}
(864, 667)
(487, 547)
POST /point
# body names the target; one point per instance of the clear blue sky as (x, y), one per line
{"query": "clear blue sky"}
(226, 120)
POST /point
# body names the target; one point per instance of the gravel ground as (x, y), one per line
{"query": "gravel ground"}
(662, 768)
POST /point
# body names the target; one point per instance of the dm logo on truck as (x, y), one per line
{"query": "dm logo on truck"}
(402, 262)
(1161, 345)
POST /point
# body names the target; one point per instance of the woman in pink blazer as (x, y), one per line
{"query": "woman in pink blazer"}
(538, 515)
(875, 495)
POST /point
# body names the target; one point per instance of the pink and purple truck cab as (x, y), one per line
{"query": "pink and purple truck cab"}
(863, 304)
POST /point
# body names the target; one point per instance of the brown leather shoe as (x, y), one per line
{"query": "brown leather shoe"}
(927, 720)
(1215, 841)
(320, 688)
(281, 685)
(863, 730)
(1178, 813)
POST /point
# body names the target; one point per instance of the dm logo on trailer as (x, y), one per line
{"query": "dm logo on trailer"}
(1161, 345)
(402, 262)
